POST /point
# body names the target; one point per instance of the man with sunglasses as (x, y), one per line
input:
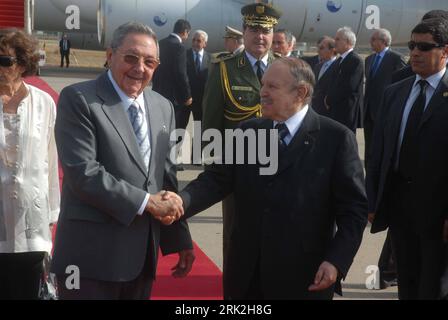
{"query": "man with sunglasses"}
(407, 175)
(113, 139)
(232, 92)
(407, 72)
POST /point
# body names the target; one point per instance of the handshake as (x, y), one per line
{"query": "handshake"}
(165, 206)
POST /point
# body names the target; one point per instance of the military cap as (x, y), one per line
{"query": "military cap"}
(260, 15)
(233, 33)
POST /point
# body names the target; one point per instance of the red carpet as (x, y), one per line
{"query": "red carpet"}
(204, 281)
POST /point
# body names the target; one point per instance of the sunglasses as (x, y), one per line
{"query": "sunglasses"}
(7, 61)
(424, 46)
(131, 59)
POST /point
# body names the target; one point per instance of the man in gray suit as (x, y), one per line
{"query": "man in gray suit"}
(112, 135)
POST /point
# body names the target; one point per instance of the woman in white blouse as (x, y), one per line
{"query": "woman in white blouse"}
(29, 185)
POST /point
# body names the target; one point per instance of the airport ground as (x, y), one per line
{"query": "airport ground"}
(206, 227)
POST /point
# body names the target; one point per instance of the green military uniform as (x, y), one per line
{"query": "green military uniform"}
(232, 95)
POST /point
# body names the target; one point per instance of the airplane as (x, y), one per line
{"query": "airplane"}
(90, 24)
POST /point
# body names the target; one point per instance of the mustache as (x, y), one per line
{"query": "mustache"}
(265, 101)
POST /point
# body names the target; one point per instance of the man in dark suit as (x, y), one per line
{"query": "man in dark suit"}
(344, 97)
(407, 72)
(324, 74)
(112, 135)
(378, 70)
(282, 244)
(198, 61)
(313, 61)
(406, 178)
(170, 79)
(64, 50)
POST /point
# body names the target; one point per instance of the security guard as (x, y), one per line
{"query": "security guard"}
(232, 93)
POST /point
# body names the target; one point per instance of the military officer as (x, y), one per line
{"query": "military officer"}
(232, 93)
(233, 40)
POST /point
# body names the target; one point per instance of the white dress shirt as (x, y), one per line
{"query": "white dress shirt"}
(126, 102)
(294, 123)
(345, 54)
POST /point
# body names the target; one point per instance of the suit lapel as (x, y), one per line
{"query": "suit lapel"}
(437, 99)
(301, 143)
(395, 124)
(114, 111)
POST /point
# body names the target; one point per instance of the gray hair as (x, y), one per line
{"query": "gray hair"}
(288, 35)
(302, 74)
(348, 34)
(131, 27)
(385, 36)
(201, 33)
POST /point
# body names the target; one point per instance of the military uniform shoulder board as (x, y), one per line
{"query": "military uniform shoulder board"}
(221, 56)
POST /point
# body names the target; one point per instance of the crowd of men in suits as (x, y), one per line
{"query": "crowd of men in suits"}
(280, 240)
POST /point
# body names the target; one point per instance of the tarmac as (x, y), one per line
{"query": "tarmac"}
(206, 227)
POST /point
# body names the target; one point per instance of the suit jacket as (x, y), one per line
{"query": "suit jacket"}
(374, 88)
(345, 95)
(286, 220)
(99, 229)
(429, 184)
(313, 61)
(402, 74)
(197, 80)
(322, 86)
(61, 48)
(170, 78)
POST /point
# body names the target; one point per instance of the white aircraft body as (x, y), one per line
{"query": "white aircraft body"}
(90, 23)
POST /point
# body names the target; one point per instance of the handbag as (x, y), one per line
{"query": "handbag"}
(48, 284)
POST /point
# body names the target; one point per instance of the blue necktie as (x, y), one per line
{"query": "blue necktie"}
(282, 134)
(140, 127)
(375, 65)
(197, 62)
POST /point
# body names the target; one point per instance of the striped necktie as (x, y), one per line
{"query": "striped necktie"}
(140, 127)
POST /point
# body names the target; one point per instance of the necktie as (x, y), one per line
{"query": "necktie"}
(197, 63)
(376, 64)
(260, 71)
(409, 146)
(282, 134)
(140, 127)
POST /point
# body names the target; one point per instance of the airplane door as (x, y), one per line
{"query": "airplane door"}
(324, 17)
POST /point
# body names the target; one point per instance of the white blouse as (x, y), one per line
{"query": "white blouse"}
(29, 182)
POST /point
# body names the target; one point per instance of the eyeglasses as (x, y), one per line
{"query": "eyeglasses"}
(424, 46)
(131, 59)
(7, 61)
